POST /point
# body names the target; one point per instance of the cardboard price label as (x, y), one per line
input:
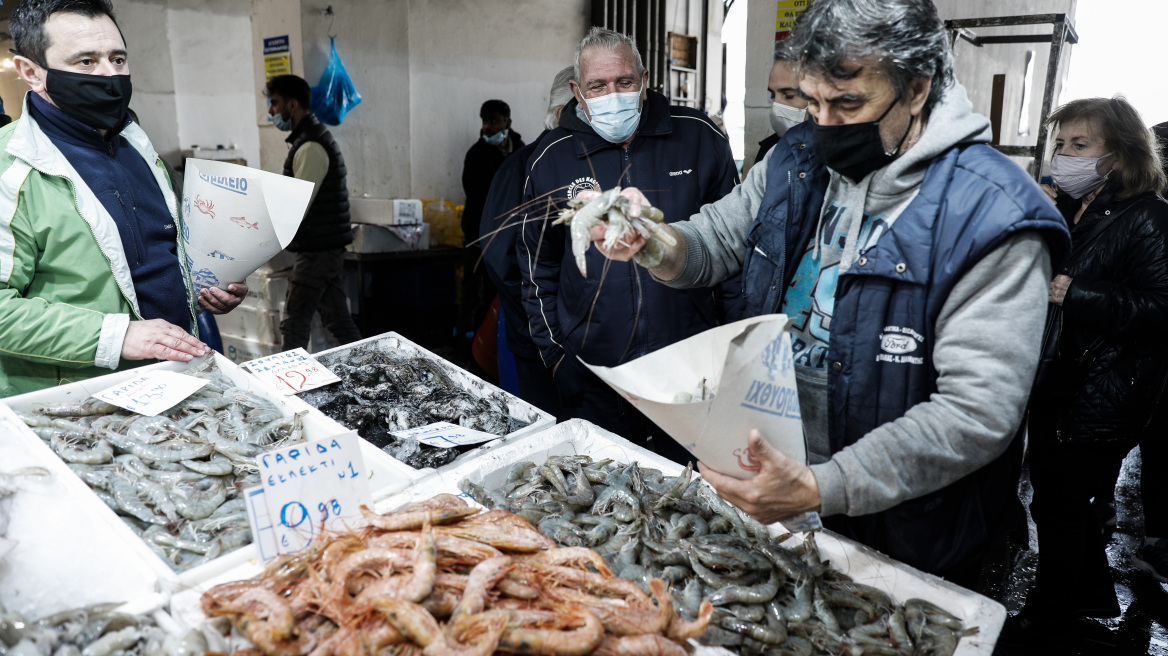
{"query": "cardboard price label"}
(152, 393)
(291, 372)
(313, 487)
(445, 435)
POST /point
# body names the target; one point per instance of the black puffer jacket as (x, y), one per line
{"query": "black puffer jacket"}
(1113, 351)
(326, 224)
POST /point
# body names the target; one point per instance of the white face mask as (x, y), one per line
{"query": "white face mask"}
(1076, 175)
(784, 117)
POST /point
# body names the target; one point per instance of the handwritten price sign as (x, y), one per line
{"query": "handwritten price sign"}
(152, 393)
(291, 372)
(313, 487)
(445, 435)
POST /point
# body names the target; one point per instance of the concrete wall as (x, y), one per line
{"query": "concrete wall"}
(193, 79)
(273, 18)
(214, 81)
(463, 52)
(423, 69)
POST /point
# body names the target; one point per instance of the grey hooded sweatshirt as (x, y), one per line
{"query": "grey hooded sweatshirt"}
(986, 349)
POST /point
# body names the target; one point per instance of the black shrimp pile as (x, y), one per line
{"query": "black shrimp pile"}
(381, 392)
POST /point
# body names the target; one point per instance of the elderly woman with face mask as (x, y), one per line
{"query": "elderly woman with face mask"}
(1107, 360)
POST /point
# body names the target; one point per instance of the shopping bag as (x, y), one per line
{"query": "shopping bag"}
(336, 95)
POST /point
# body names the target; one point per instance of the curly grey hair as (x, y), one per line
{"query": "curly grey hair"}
(604, 39)
(907, 37)
(560, 94)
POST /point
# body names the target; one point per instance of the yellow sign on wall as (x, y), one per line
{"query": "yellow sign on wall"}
(788, 11)
(277, 57)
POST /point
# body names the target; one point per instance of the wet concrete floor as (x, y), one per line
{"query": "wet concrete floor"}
(1142, 628)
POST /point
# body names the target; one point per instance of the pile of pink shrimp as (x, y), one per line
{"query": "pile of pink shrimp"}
(440, 578)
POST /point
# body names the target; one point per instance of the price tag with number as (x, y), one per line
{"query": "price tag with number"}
(152, 392)
(445, 435)
(313, 487)
(291, 372)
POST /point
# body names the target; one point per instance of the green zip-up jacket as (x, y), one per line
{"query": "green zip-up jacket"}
(66, 295)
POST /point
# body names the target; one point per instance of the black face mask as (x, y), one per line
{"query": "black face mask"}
(855, 149)
(99, 101)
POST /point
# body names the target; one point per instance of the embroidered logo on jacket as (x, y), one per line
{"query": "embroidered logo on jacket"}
(897, 342)
(581, 184)
(682, 172)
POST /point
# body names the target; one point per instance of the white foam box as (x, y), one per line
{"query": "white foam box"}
(251, 323)
(863, 564)
(394, 343)
(266, 291)
(386, 239)
(68, 550)
(241, 349)
(382, 211)
(386, 475)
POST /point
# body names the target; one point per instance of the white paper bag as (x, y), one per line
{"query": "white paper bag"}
(237, 218)
(749, 365)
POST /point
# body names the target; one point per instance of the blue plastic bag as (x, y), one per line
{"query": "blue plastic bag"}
(336, 95)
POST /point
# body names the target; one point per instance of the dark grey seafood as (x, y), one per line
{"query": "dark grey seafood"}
(768, 597)
(380, 393)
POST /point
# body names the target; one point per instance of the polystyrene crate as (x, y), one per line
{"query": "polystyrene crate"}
(386, 475)
(863, 564)
(537, 419)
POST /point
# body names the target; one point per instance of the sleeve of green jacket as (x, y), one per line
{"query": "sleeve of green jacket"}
(60, 334)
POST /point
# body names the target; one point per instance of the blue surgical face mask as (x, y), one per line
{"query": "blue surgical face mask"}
(616, 115)
(496, 139)
(282, 123)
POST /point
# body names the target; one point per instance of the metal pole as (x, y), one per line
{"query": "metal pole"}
(1057, 38)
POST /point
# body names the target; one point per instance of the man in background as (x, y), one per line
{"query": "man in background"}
(500, 229)
(788, 108)
(496, 142)
(319, 245)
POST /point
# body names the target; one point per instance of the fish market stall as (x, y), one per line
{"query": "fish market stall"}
(390, 384)
(171, 499)
(875, 580)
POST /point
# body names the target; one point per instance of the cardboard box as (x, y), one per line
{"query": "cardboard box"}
(390, 239)
(383, 211)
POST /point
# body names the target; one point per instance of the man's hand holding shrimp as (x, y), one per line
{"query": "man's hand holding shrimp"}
(674, 260)
(782, 488)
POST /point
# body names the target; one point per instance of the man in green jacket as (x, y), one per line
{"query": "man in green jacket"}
(92, 270)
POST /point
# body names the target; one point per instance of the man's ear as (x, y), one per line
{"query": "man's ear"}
(579, 98)
(920, 93)
(31, 72)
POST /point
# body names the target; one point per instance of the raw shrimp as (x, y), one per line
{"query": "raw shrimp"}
(582, 633)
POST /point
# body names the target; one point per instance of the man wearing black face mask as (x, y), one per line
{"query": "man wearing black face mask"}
(914, 261)
(92, 272)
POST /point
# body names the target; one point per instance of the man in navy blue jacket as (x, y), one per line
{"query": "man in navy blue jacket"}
(615, 132)
(500, 230)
